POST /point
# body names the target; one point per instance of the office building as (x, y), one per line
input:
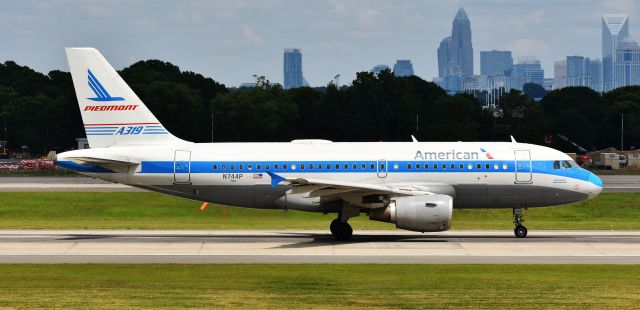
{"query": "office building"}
(577, 71)
(559, 74)
(443, 56)
(461, 49)
(627, 63)
(293, 68)
(595, 75)
(495, 63)
(614, 28)
(528, 70)
(403, 68)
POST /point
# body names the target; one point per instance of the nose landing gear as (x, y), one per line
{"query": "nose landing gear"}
(518, 217)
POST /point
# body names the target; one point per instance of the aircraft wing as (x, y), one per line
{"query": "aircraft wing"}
(320, 187)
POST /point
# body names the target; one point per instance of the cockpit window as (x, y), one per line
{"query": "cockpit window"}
(574, 164)
(566, 164)
(556, 164)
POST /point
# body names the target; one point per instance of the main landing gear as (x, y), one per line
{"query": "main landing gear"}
(340, 229)
(518, 217)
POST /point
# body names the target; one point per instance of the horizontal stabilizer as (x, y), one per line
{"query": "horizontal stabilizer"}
(115, 161)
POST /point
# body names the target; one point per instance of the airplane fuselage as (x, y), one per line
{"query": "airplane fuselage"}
(476, 174)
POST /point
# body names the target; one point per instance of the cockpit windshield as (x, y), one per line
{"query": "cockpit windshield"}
(565, 164)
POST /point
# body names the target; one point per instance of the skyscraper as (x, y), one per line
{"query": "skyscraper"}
(614, 28)
(528, 70)
(559, 74)
(293, 68)
(495, 63)
(461, 50)
(403, 68)
(577, 70)
(595, 74)
(627, 64)
(443, 56)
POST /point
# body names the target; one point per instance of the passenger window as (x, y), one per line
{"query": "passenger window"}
(250, 167)
(372, 166)
(311, 166)
(478, 166)
(328, 166)
(267, 167)
(461, 166)
(395, 166)
(469, 166)
(276, 166)
(417, 166)
(284, 166)
(354, 166)
(346, 166)
(319, 166)
(233, 167)
(426, 166)
(224, 167)
(241, 167)
(556, 164)
(408, 166)
(363, 166)
(381, 166)
(504, 166)
(337, 166)
(301, 166)
(293, 167)
(444, 166)
(487, 166)
(453, 166)
(259, 166)
(215, 167)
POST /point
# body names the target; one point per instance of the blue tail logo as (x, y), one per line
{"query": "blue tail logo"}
(98, 89)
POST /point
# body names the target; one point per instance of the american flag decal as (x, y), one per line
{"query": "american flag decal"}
(257, 176)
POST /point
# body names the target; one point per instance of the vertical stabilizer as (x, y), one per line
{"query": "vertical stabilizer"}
(112, 113)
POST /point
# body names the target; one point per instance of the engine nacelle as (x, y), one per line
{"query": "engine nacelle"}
(417, 213)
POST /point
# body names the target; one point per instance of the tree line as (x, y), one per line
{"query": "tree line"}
(41, 112)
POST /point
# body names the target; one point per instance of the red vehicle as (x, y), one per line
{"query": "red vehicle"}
(584, 160)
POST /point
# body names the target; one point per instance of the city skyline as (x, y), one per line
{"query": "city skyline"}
(230, 42)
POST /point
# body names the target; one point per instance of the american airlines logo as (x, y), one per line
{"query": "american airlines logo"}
(453, 154)
(102, 95)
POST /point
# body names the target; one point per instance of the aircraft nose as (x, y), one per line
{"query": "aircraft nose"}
(596, 185)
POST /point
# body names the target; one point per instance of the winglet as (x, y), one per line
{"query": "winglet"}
(275, 179)
(414, 139)
(513, 140)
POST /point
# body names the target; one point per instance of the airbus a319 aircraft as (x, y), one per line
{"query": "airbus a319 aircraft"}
(414, 185)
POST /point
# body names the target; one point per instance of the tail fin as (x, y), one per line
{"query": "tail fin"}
(111, 111)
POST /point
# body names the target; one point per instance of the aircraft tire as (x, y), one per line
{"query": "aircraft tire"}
(520, 231)
(340, 231)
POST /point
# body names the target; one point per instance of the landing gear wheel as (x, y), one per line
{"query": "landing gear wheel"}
(340, 231)
(518, 217)
(520, 231)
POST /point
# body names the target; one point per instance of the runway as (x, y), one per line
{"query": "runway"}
(248, 246)
(612, 184)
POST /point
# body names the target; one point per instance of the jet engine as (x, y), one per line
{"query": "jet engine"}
(417, 213)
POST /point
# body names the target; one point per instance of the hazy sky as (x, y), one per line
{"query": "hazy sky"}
(232, 40)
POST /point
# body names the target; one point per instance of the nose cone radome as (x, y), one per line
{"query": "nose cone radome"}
(596, 185)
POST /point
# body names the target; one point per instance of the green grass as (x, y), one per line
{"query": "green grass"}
(320, 286)
(157, 211)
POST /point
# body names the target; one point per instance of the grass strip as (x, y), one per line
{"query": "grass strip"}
(320, 286)
(611, 211)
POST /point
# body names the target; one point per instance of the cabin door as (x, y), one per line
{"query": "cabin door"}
(523, 166)
(182, 167)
